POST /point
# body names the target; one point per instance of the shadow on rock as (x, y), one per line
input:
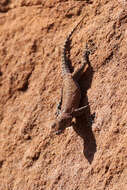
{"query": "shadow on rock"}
(84, 123)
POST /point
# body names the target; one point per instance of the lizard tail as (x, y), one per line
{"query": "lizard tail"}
(65, 66)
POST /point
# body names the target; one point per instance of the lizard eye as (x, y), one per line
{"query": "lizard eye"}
(53, 125)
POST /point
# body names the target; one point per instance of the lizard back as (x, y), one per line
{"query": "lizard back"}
(71, 94)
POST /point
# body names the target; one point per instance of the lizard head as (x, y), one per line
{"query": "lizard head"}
(61, 123)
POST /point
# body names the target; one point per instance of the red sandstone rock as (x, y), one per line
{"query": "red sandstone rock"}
(92, 156)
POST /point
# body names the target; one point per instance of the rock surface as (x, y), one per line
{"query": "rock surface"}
(92, 155)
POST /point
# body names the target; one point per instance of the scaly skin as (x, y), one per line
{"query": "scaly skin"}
(68, 106)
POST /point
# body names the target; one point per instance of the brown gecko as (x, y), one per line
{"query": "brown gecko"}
(68, 106)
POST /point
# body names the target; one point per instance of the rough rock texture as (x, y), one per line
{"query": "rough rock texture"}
(90, 156)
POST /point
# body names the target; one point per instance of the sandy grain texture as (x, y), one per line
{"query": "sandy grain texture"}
(90, 156)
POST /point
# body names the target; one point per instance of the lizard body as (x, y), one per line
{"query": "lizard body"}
(68, 106)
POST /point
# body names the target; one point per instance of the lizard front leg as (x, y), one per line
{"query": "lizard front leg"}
(79, 111)
(58, 109)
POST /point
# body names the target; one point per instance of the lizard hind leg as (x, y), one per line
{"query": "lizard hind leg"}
(78, 73)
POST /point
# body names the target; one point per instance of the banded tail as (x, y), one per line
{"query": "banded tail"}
(65, 67)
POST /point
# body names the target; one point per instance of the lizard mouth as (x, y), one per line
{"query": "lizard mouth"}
(56, 130)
